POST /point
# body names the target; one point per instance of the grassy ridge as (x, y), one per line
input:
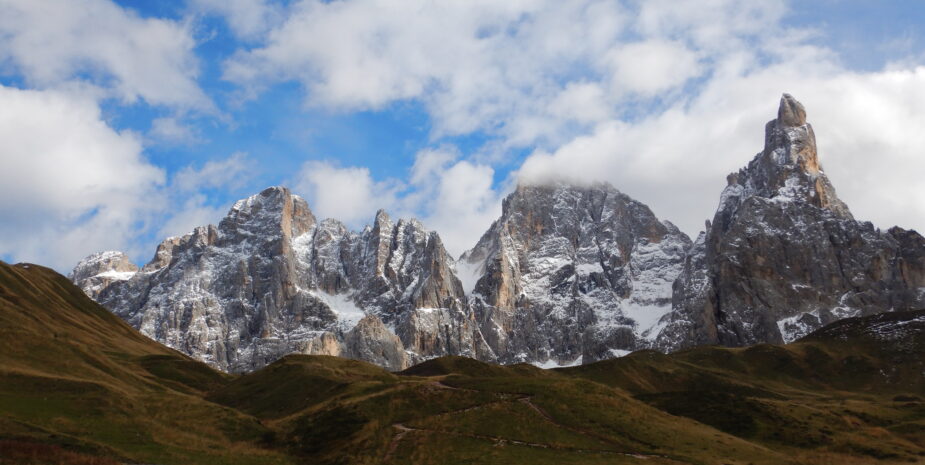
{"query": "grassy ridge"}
(78, 385)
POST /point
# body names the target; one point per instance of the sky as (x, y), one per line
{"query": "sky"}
(126, 122)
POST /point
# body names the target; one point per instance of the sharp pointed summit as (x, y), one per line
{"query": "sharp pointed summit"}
(783, 255)
(791, 112)
(786, 170)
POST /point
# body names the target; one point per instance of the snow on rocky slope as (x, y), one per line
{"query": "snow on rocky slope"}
(271, 280)
(568, 274)
(783, 255)
(573, 271)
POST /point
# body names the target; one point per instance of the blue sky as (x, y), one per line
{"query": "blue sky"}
(127, 121)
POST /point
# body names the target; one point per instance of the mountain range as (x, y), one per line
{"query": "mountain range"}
(569, 274)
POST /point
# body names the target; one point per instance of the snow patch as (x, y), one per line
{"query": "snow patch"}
(617, 353)
(588, 268)
(645, 316)
(348, 313)
(551, 363)
(469, 274)
(117, 275)
(797, 326)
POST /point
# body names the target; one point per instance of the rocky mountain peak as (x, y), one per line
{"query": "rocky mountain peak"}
(783, 255)
(382, 219)
(276, 208)
(786, 170)
(272, 280)
(103, 262)
(98, 271)
(791, 112)
(572, 272)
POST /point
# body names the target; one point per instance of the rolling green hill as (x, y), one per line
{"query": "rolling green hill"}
(79, 386)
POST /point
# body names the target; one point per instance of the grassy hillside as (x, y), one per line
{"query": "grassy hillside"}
(855, 387)
(79, 386)
(77, 379)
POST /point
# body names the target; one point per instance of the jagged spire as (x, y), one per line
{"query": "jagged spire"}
(791, 112)
(787, 169)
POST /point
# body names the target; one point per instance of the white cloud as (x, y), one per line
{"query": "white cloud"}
(347, 194)
(652, 66)
(585, 102)
(713, 25)
(457, 198)
(662, 98)
(867, 126)
(172, 130)
(190, 206)
(481, 65)
(465, 205)
(249, 19)
(429, 163)
(69, 185)
(229, 174)
(530, 71)
(53, 43)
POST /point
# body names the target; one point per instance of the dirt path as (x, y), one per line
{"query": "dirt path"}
(402, 431)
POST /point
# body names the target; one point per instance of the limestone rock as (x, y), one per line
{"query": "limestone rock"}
(791, 112)
(272, 280)
(98, 271)
(371, 341)
(783, 255)
(567, 274)
(571, 273)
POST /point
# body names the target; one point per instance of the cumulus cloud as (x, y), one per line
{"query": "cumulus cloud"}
(70, 184)
(662, 98)
(192, 212)
(54, 43)
(348, 194)
(172, 130)
(480, 65)
(866, 125)
(190, 206)
(465, 205)
(230, 173)
(652, 66)
(249, 19)
(456, 197)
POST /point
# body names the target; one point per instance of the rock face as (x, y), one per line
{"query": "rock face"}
(370, 340)
(272, 280)
(99, 270)
(783, 255)
(572, 273)
(568, 274)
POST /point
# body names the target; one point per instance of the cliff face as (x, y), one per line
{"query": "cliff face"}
(783, 255)
(571, 273)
